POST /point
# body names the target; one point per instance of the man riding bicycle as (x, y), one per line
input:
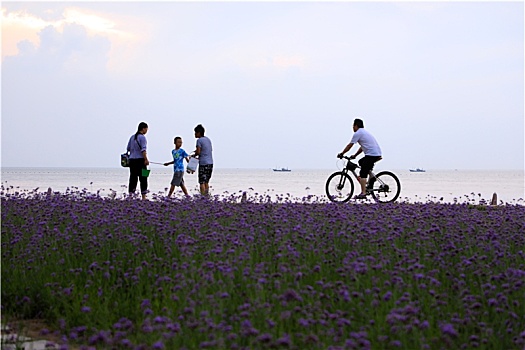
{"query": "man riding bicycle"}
(369, 147)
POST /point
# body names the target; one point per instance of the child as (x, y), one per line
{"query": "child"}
(178, 166)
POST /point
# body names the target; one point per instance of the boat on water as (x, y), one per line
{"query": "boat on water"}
(417, 170)
(282, 169)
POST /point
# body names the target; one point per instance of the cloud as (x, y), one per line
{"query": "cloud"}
(20, 28)
(17, 27)
(69, 51)
(92, 22)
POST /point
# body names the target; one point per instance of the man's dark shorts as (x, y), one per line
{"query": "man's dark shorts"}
(205, 173)
(367, 164)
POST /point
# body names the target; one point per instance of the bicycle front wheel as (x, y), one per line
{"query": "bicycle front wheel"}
(339, 187)
(385, 187)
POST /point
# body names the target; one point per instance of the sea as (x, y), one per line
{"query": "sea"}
(448, 186)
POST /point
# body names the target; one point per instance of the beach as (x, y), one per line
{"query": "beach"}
(434, 185)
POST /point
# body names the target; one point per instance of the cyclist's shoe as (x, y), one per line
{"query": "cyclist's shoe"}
(360, 196)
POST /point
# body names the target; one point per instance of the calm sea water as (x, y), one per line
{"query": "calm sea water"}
(431, 185)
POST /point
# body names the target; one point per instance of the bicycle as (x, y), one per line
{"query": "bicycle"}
(383, 187)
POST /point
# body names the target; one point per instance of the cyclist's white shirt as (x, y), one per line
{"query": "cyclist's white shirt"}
(367, 142)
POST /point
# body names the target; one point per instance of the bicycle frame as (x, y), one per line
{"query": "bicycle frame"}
(371, 175)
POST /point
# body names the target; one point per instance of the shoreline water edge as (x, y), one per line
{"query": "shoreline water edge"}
(446, 186)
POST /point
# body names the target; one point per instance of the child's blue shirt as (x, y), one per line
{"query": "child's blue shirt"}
(178, 158)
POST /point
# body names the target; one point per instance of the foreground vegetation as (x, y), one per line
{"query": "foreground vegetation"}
(214, 273)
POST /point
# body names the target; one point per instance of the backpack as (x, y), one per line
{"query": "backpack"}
(124, 157)
(124, 160)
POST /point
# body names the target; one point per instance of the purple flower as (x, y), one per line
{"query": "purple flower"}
(286, 315)
(492, 302)
(419, 276)
(264, 338)
(232, 336)
(303, 322)
(284, 341)
(85, 309)
(126, 342)
(145, 303)
(158, 345)
(448, 329)
(207, 344)
(291, 295)
(158, 319)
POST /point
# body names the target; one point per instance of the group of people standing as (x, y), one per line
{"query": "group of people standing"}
(138, 160)
(137, 149)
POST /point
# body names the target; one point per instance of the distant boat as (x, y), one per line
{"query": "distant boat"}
(417, 170)
(282, 169)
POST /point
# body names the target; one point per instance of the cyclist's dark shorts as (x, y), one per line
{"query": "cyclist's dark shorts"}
(205, 172)
(367, 164)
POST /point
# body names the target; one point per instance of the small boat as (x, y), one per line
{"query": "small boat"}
(417, 170)
(282, 169)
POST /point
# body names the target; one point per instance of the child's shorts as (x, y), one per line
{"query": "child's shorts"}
(177, 179)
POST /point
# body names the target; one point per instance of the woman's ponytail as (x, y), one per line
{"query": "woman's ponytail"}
(142, 125)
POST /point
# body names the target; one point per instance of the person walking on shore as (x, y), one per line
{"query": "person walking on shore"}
(138, 160)
(179, 155)
(369, 147)
(204, 152)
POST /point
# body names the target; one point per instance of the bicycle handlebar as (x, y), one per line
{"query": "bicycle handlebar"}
(346, 157)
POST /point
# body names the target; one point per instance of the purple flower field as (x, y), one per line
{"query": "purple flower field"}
(219, 274)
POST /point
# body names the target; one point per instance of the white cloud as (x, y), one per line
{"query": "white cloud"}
(94, 23)
(22, 18)
(124, 33)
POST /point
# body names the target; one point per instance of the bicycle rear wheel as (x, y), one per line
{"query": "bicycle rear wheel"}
(339, 187)
(385, 187)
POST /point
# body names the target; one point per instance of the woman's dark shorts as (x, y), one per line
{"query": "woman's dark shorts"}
(367, 164)
(205, 172)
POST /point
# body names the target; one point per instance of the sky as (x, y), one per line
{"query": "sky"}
(275, 84)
